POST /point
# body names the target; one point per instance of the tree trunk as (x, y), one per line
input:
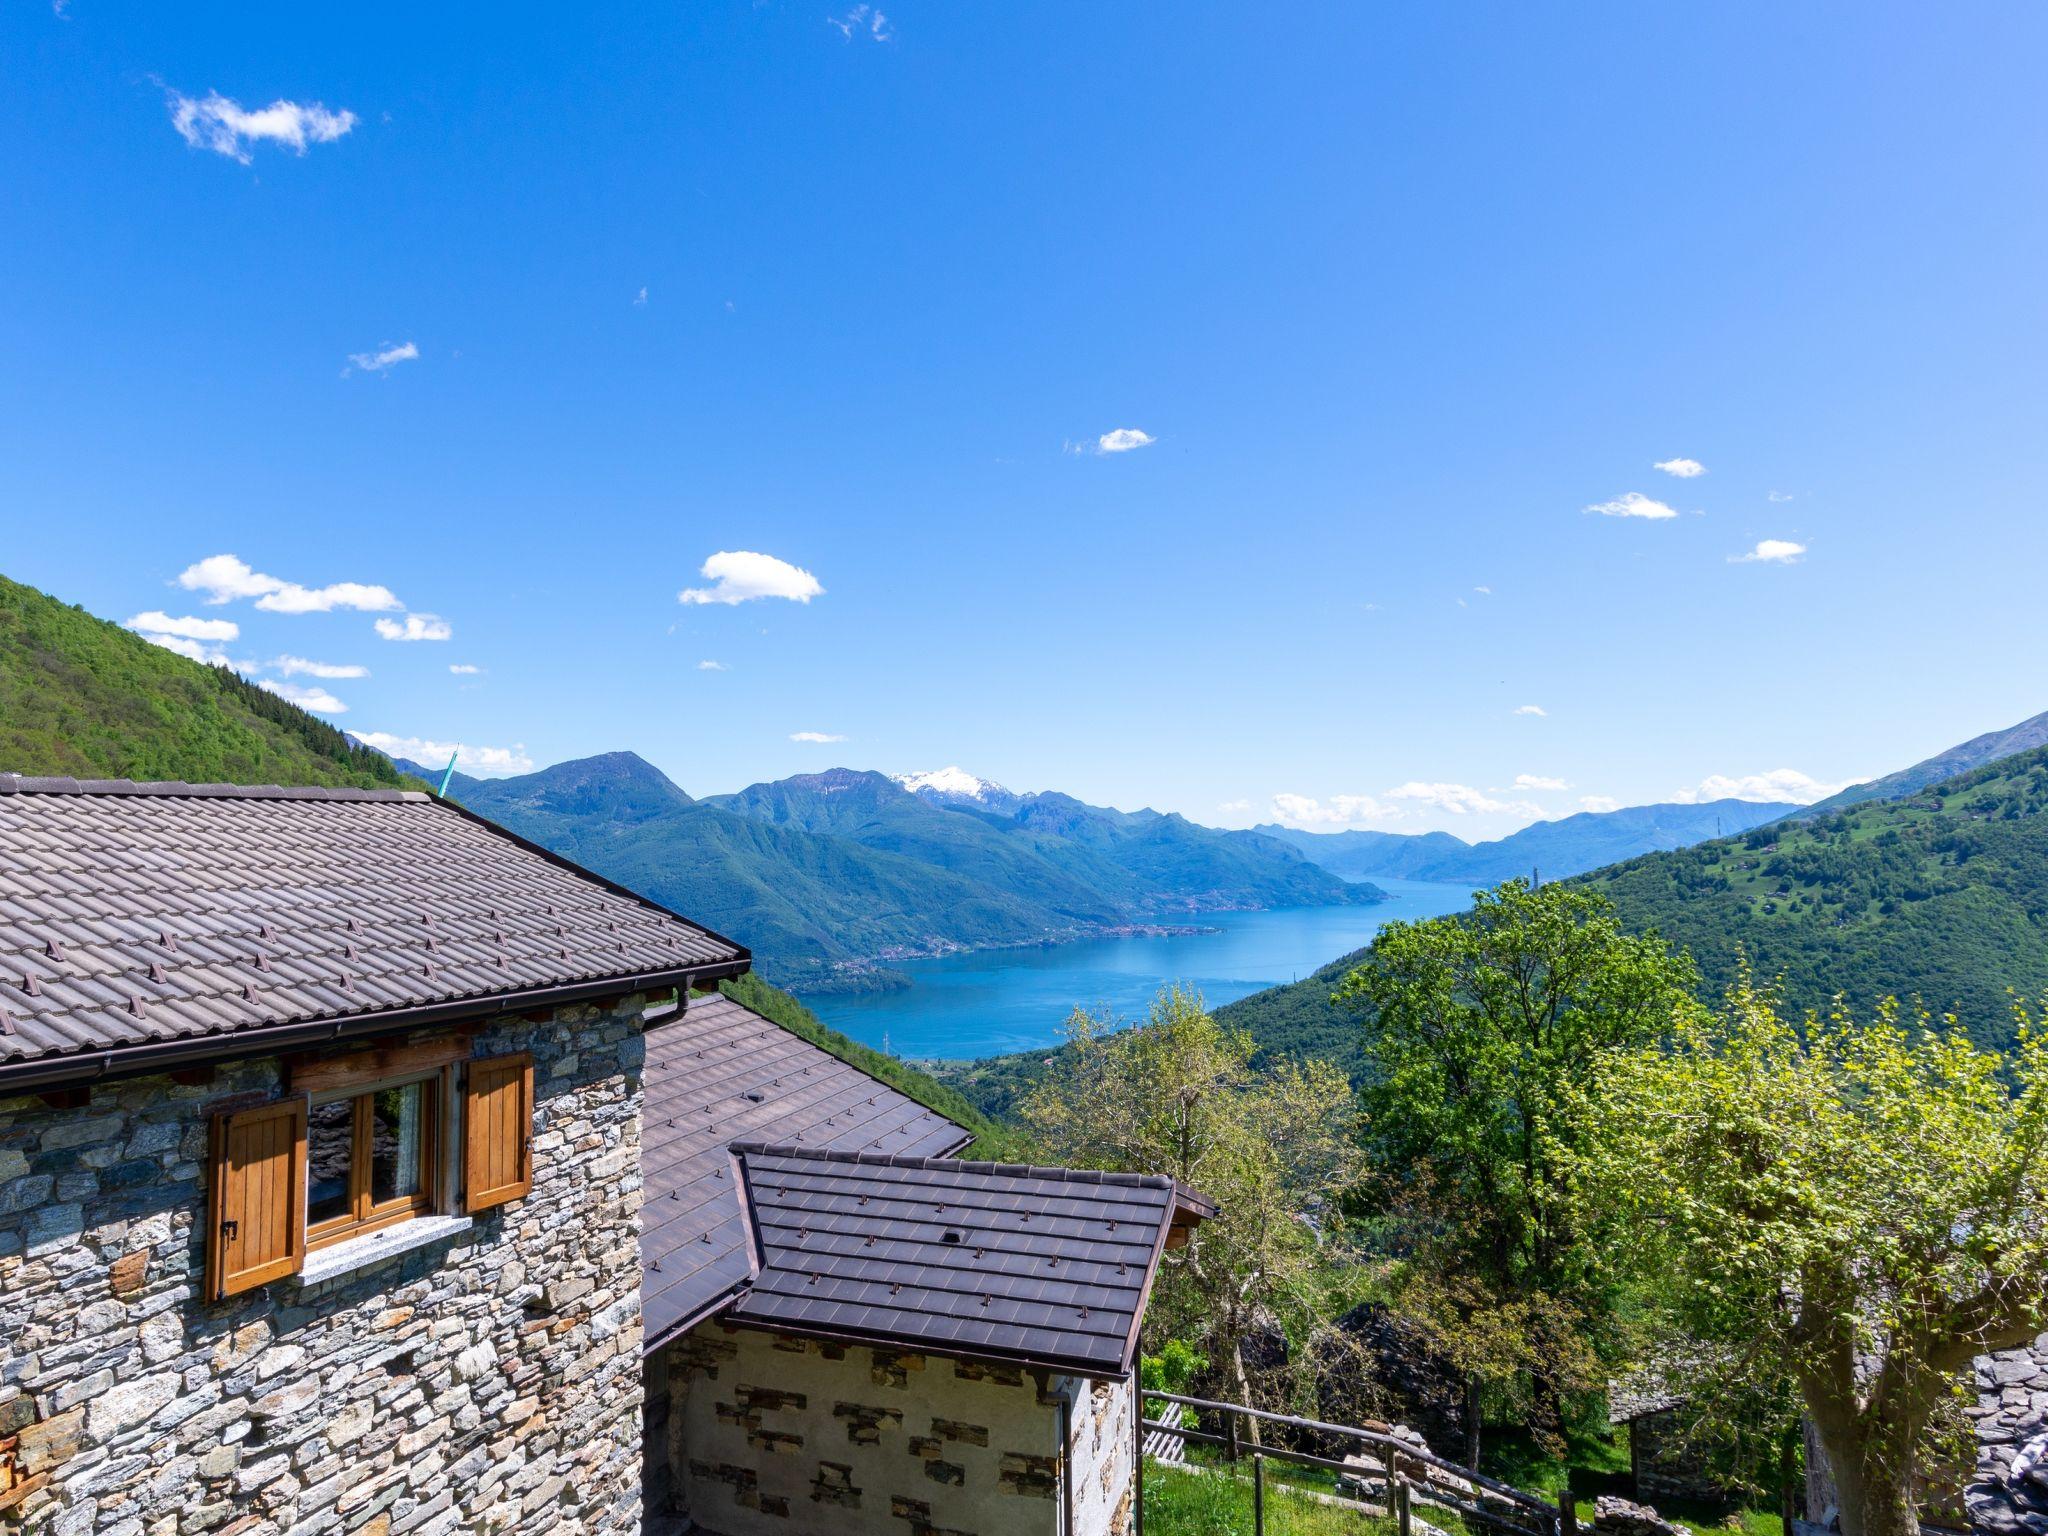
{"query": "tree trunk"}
(1472, 1422)
(1546, 1415)
(1876, 1504)
(1871, 1499)
(1241, 1384)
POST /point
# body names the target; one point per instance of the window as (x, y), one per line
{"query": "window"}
(359, 1143)
(371, 1158)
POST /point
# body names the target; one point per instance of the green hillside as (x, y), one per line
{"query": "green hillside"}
(1941, 896)
(84, 698)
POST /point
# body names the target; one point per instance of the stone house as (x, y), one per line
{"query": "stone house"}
(346, 1140)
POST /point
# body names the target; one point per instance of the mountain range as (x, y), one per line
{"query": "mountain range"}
(1570, 845)
(829, 876)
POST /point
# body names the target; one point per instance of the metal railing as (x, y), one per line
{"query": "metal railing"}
(1410, 1476)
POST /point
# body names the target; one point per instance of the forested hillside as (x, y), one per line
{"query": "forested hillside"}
(85, 698)
(1942, 896)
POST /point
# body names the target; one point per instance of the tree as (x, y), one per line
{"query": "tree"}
(1275, 1151)
(1482, 1032)
(1858, 1210)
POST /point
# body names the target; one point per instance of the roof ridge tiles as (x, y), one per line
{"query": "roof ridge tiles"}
(33, 784)
(747, 1146)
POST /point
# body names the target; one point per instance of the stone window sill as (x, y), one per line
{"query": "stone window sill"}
(345, 1259)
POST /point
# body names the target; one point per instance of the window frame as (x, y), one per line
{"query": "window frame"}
(365, 1215)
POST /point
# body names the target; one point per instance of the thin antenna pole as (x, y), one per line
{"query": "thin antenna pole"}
(443, 790)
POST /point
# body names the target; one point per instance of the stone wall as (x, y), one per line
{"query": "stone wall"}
(2009, 1494)
(1668, 1464)
(488, 1381)
(1102, 1457)
(759, 1434)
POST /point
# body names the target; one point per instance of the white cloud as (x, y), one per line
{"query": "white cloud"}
(640, 297)
(384, 359)
(417, 626)
(712, 666)
(224, 578)
(1779, 496)
(1484, 591)
(319, 700)
(214, 122)
(1600, 802)
(1460, 799)
(156, 622)
(740, 575)
(1634, 504)
(1685, 469)
(298, 666)
(862, 21)
(816, 737)
(1538, 781)
(1771, 552)
(1234, 807)
(1777, 784)
(478, 762)
(464, 669)
(1337, 811)
(1123, 440)
(1530, 709)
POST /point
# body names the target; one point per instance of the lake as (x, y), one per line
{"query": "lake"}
(1001, 1000)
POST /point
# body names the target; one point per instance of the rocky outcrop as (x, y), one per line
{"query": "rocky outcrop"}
(1614, 1516)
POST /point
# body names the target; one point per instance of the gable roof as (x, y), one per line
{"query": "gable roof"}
(1046, 1267)
(146, 924)
(721, 1071)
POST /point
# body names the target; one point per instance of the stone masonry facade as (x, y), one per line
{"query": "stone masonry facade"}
(487, 1381)
(2009, 1495)
(752, 1433)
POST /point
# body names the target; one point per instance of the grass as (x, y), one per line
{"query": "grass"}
(1182, 1503)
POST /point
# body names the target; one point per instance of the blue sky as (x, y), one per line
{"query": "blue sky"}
(1394, 293)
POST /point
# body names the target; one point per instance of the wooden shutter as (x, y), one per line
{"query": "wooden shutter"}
(498, 1130)
(256, 1197)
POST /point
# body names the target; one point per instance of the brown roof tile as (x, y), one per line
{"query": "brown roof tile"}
(1043, 1266)
(722, 1071)
(133, 914)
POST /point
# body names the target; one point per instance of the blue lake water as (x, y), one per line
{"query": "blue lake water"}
(1016, 999)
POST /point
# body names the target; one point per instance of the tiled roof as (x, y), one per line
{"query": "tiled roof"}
(722, 1071)
(135, 916)
(1043, 1266)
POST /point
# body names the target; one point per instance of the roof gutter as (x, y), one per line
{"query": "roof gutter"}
(36, 1074)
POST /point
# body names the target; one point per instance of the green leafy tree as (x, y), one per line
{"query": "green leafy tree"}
(1857, 1210)
(1482, 1032)
(1274, 1150)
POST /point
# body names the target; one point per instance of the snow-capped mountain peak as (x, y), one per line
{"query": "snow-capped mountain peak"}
(956, 786)
(947, 781)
